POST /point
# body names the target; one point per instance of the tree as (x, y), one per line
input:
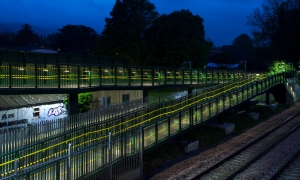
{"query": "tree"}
(124, 31)
(242, 42)
(25, 35)
(48, 41)
(6, 39)
(84, 102)
(76, 39)
(178, 37)
(276, 25)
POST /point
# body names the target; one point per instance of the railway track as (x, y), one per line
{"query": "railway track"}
(290, 169)
(236, 163)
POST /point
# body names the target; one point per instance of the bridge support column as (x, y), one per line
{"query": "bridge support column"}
(146, 98)
(73, 104)
(247, 104)
(220, 120)
(267, 97)
(190, 90)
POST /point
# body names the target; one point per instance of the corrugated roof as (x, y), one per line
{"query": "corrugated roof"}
(28, 99)
(12, 103)
(3, 103)
(18, 101)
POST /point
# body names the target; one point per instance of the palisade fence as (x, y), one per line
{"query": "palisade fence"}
(292, 88)
(33, 133)
(160, 121)
(120, 157)
(127, 105)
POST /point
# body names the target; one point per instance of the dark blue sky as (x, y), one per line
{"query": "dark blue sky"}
(223, 19)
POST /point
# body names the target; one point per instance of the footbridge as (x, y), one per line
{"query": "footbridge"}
(110, 146)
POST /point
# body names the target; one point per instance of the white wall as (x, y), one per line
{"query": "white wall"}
(46, 112)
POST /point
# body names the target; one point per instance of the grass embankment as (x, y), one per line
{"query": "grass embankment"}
(208, 137)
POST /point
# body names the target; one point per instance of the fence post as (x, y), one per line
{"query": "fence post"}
(141, 152)
(110, 156)
(69, 162)
(16, 168)
(57, 169)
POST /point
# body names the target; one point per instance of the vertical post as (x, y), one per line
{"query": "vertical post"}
(169, 126)
(129, 75)
(141, 151)
(78, 77)
(205, 76)
(73, 104)
(145, 96)
(69, 162)
(110, 156)
(16, 168)
(142, 76)
(36, 75)
(267, 97)
(156, 132)
(57, 170)
(90, 76)
(10, 73)
(152, 72)
(58, 76)
(100, 75)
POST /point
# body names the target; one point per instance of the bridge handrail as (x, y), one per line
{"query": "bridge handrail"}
(197, 101)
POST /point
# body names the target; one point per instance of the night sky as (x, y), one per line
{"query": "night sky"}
(224, 20)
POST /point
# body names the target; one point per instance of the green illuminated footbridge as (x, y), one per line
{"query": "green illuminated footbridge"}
(34, 73)
(80, 147)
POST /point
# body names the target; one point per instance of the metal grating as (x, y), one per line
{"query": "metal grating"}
(9, 101)
(19, 100)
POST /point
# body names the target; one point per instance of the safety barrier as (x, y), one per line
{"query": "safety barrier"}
(160, 122)
(119, 158)
(22, 72)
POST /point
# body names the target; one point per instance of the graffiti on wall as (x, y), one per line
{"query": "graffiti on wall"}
(56, 111)
(5, 116)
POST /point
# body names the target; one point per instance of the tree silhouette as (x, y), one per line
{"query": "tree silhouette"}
(178, 37)
(276, 26)
(6, 39)
(25, 35)
(76, 39)
(123, 34)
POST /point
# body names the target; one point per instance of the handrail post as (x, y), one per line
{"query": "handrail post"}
(57, 170)
(69, 168)
(16, 163)
(10, 74)
(110, 156)
(141, 151)
(36, 75)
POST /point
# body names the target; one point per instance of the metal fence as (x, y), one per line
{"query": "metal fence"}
(119, 158)
(160, 121)
(292, 88)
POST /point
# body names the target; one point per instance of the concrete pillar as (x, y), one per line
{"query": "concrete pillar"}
(267, 97)
(190, 90)
(220, 119)
(247, 104)
(146, 98)
(73, 104)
